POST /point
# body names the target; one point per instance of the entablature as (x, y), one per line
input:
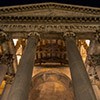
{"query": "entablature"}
(49, 19)
(81, 20)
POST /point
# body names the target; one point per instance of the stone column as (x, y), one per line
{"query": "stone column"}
(3, 59)
(97, 91)
(81, 83)
(6, 91)
(3, 70)
(3, 37)
(93, 63)
(21, 84)
(7, 58)
(93, 58)
(12, 51)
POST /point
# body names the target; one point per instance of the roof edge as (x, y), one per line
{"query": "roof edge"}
(49, 5)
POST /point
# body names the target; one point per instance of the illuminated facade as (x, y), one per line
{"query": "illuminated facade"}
(50, 51)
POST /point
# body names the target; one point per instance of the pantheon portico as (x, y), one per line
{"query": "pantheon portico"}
(49, 51)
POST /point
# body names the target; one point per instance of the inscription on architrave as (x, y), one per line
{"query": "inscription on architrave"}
(49, 27)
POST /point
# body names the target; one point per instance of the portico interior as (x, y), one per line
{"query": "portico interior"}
(49, 51)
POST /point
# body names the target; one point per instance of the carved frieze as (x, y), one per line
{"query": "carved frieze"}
(49, 27)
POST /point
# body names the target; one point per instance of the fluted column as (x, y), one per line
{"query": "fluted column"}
(20, 87)
(81, 83)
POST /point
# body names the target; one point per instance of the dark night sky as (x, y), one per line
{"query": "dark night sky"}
(93, 3)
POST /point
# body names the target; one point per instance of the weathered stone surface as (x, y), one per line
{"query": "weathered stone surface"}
(81, 83)
(3, 70)
(51, 85)
(51, 20)
(20, 87)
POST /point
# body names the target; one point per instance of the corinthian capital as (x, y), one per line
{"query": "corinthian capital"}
(69, 34)
(97, 36)
(3, 36)
(34, 34)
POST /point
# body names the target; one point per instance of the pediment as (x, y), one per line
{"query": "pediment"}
(49, 9)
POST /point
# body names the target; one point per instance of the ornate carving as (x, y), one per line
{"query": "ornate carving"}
(50, 19)
(97, 36)
(8, 60)
(94, 60)
(3, 37)
(49, 27)
(88, 10)
(51, 52)
(34, 34)
(69, 34)
(9, 79)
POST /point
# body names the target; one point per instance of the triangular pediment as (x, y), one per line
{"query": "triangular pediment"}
(49, 9)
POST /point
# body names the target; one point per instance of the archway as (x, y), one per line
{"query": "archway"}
(51, 86)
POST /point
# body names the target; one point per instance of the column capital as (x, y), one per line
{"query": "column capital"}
(6, 58)
(34, 34)
(3, 36)
(97, 36)
(69, 34)
(27, 63)
(9, 79)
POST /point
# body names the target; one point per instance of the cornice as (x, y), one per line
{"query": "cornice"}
(41, 6)
(49, 19)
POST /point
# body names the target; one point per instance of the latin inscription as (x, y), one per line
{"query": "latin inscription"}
(57, 28)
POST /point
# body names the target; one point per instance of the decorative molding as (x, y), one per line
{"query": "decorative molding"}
(97, 36)
(49, 27)
(94, 60)
(49, 19)
(6, 58)
(41, 6)
(34, 34)
(69, 34)
(3, 37)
